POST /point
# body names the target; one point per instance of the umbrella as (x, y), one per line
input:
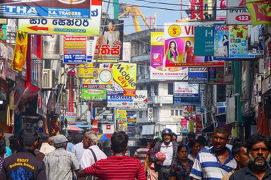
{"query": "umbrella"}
(74, 129)
(104, 137)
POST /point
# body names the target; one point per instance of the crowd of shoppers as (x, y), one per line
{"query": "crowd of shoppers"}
(38, 156)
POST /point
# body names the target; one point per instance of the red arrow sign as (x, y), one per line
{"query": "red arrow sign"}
(36, 28)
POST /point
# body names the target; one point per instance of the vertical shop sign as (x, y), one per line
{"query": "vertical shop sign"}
(75, 50)
(204, 41)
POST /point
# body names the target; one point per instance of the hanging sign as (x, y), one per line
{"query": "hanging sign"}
(237, 12)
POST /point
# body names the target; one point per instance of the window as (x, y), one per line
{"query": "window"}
(47, 64)
(176, 112)
(140, 114)
(156, 89)
(149, 90)
(172, 112)
(181, 112)
(170, 88)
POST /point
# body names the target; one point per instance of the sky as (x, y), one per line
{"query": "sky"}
(151, 7)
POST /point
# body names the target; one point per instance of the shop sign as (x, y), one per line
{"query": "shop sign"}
(85, 70)
(93, 94)
(102, 79)
(45, 8)
(183, 89)
(71, 117)
(197, 75)
(204, 41)
(3, 32)
(237, 12)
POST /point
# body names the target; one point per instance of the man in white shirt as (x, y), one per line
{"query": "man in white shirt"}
(92, 152)
(78, 148)
(45, 146)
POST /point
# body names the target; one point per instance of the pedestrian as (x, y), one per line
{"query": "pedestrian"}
(141, 152)
(24, 164)
(78, 148)
(203, 142)
(240, 154)
(174, 137)
(60, 164)
(8, 150)
(191, 136)
(70, 142)
(118, 166)
(2, 152)
(214, 162)
(164, 155)
(13, 144)
(194, 148)
(37, 152)
(183, 166)
(46, 148)
(259, 149)
(149, 166)
(92, 152)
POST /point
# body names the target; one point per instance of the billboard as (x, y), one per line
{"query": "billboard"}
(102, 79)
(75, 50)
(204, 41)
(51, 47)
(85, 70)
(184, 89)
(45, 8)
(221, 6)
(221, 44)
(198, 75)
(237, 12)
(157, 66)
(110, 43)
(71, 117)
(121, 117)
(216, 75)
(124, 74)
(93, 94)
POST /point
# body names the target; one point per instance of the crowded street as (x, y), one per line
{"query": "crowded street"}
(135, 89)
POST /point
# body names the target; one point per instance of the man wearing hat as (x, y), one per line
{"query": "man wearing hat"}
(164, 155)
(60, 163)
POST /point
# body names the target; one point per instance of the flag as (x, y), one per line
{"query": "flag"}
(19, 55)
(260, 11)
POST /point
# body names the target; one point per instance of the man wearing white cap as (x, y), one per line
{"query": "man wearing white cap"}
(60, 163)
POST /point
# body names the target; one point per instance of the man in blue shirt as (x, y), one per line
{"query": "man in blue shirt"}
(215, 162)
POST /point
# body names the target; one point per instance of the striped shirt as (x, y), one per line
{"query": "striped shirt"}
(117, 168)
(208, 167)
(141, 154)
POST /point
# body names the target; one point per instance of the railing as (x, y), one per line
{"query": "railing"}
(161, 100)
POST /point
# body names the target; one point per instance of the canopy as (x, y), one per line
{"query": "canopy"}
(74, 129)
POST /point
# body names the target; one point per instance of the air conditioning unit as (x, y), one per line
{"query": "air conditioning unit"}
(47, 79)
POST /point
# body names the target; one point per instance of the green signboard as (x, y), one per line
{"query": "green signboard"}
(93, 94)
(3, 32)
(204, 41)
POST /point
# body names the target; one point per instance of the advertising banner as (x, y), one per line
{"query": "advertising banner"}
(93, 94)
(259, 11)
(157, 68)
(191, 127)
(124, 75)
(122, 120)
(198, 75)
(45, 8)
(102, 79)
(140, 100)
(198, 124)
(237, 12)
(180, 46)
(76, 27)
(216, 75)
(221, 7)
(19, 55)
(267, 56)
(71, 117)
(238, 47)
(75, 50)
(197, 9)
(184, 125)
(3, 32)
(221, 45)
(85, 70)
(119, 101)
(110, 43)
(183, 89)
(52, 47)
(204, 41)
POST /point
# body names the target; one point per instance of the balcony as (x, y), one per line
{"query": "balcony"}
(143, 78)
(160, 100)
(140, 58)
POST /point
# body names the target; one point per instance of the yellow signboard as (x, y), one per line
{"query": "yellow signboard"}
(20, 49)
(100, 76)
(157, 38)
(125, 75)
(85, 70)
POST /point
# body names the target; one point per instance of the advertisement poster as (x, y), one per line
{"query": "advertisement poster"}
(85, 70)
(198, 124)
(75, 50)
(197, 9)
(204, 41)
(122, 120)
(221, 7)
(259, 11)
(52, 47)
(19, 55)
(157, 68)
(71, 117)
(184, 125)
(124, 75)
(3, 32)
(238, 47)
(140, 100)
(110, 43)
(198, 75)
(93, 94)
(216, 75)
(102, 79)
(221, 44)
(45, 8)
(191, 125)
(237, 12)
(119, 101)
